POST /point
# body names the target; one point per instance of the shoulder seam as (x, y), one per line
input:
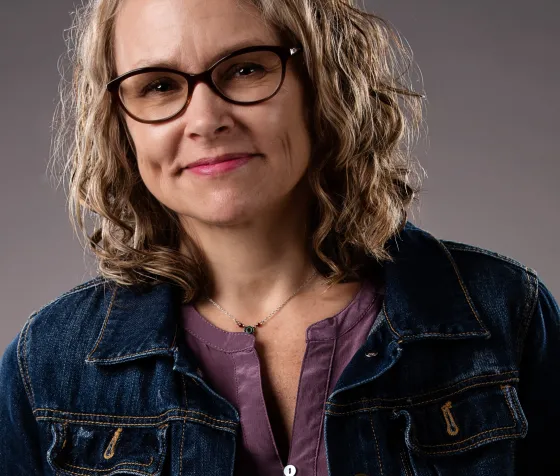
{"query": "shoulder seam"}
(531, 305)
(455, 246)
(21, 352)
(82, 287)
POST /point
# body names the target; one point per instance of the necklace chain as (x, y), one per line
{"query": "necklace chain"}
(252, 329)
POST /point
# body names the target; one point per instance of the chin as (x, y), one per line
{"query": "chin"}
(224, 215)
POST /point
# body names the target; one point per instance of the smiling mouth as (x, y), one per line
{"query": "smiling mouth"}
(221, 167)
(219, 159)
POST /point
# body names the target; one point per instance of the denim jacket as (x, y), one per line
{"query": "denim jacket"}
(460, 375)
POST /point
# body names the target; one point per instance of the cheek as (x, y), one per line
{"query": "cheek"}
(155, 149)
(297, 141)
(285, 131)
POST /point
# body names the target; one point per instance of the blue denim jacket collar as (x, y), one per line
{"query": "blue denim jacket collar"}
(425, 297)
(137, 324)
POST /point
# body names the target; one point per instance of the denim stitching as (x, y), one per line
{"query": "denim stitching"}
(455, 246)
(376, 445)
(416, 404)
(132, 470)
(437, 334)
(125, 417)
(132, 425)
(91, 283)
(493, 430)
(389, 320)
(506, 389)
(503, 388)
(26, 362)
(183, 428)
(182, 445)
(526, 321)
(427, 393)
(186, 399)
(485, 440)
(175, 336)
(104, 326)
(126, 356)
(405, 464)
(467, 296)
(82, 287)
(113, 467)
(22, 361)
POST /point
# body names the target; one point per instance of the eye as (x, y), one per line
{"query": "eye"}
(160, 85)
(244, 70)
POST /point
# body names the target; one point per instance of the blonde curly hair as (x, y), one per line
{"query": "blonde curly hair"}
(364, 122)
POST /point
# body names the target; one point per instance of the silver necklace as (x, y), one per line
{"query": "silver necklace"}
(253, 329)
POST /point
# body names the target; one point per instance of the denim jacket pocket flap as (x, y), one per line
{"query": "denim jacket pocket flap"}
(463, 421)
(93, 450)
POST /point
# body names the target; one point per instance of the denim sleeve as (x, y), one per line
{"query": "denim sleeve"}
(19, 438)
(539, 387)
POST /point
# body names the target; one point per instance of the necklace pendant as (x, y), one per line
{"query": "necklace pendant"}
(249, 329)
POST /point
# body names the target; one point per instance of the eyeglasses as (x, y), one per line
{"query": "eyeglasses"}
(247, 76)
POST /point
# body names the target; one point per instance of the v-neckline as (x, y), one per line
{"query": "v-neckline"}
(239, 347)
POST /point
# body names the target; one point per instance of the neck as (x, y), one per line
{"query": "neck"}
(257, 265)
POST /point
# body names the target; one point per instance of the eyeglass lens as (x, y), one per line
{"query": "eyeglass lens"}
(246, 77)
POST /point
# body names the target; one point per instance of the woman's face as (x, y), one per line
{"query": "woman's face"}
(191, 35)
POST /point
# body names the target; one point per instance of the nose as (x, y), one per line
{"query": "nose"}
(207, 114)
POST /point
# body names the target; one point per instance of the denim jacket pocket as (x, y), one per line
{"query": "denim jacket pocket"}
(93, 450)
(461, 422)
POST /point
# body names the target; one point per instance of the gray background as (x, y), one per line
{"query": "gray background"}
(491, 73)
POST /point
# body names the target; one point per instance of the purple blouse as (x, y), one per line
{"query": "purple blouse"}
(230, 364)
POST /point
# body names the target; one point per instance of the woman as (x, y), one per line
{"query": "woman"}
(263, 306)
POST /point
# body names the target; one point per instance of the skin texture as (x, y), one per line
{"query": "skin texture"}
(249, 223)
(162, 29)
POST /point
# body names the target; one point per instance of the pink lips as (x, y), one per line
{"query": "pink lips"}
(220, 167)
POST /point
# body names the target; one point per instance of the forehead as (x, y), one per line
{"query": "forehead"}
(186, 34)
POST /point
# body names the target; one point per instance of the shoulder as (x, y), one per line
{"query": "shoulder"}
(84, 301)
(477, 266)
(492, 275)
(65, 327)
(82, 305)
(450, 279)
(76, 294)
(507, 293)
(485, 256)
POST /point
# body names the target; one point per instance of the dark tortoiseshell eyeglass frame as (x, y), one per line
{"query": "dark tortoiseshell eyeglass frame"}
(283, 52)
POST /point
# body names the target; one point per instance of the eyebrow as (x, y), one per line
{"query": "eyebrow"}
(173, 64)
